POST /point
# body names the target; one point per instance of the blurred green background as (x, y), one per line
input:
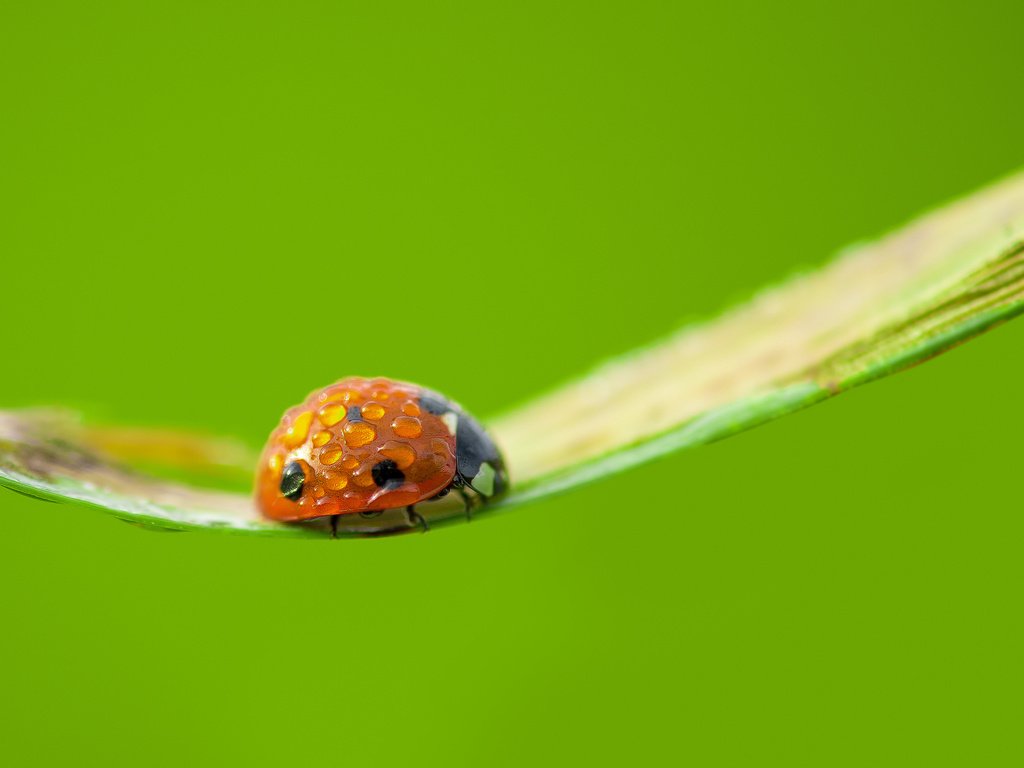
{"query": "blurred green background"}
(211, 209)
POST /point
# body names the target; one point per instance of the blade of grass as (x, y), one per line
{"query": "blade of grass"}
(875, 310)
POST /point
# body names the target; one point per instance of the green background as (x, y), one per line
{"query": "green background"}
(211, 209)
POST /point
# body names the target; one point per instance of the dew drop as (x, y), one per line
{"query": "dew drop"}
(330, 415)
(363, 479)
(373, 411)
(335, 481)
(330, 457)
(298, 431)
(407, 426)
(359, 433)
(403, 455)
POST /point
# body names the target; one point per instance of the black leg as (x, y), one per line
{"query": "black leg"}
(460, 484)
(416, 518)
(334, 526)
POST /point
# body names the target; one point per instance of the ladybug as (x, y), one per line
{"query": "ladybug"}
(377, 456)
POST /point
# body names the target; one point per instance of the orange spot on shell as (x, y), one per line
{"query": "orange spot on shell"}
(330, 457)
(330, 415)
(372, 411)
(318, 492)
(335, 481)
(298, 431)
(350, 462)
(410, 409)
(407, 426)
(359, 433)
(320, 439)
(403, 455)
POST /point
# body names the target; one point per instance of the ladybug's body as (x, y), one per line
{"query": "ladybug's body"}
(364, 446)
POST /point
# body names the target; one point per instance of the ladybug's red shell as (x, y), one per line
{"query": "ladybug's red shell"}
(361, 445)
